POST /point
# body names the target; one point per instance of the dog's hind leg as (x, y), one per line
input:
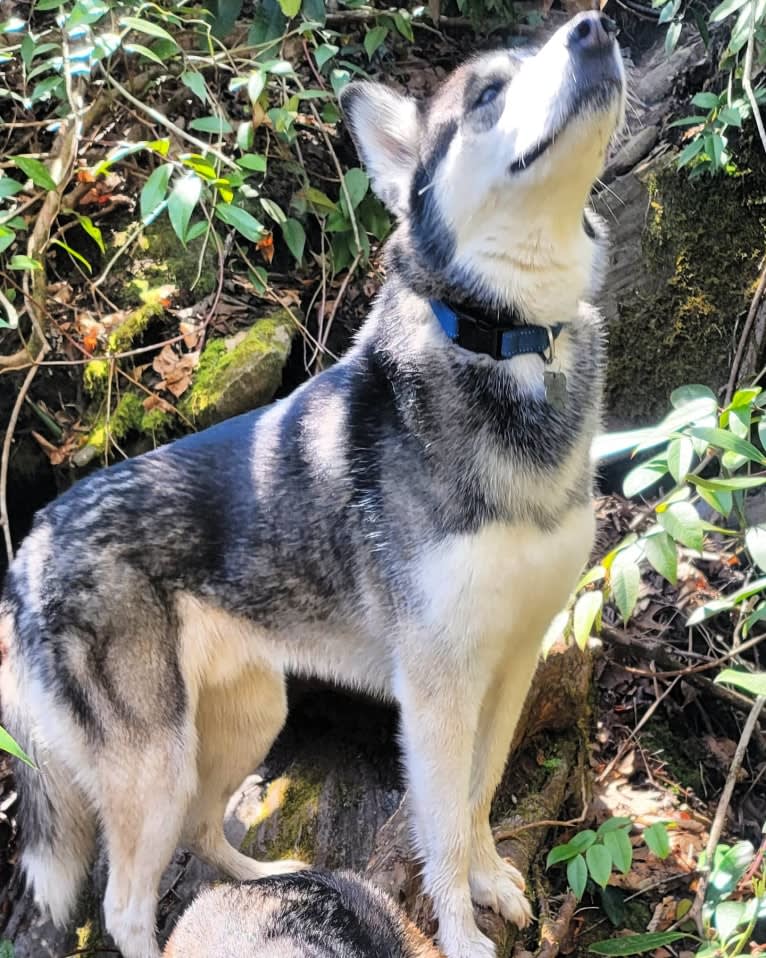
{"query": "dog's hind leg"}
(237, 723)
(494, 882)
(146, 787)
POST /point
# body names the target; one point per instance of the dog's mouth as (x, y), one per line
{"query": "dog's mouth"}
(599, 95)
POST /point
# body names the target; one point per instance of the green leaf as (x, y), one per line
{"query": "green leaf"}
(599, 861)
(644, 475)
(373, 39)
(577, 876)
(613, 904)
(92, 230)
(290, 8)
(255, 85)
(680, 457)
(73, 253)
(295, 237)
(242, 221)
(681, 521)
(143, 51)
(755, 540)
(731, 116)
(726, 9)
(155, 190)
(9, 187)
(196, 83)
(707, 101)
(691, 150)
(36, 172)
(273, 210)
(729, 916)
(183, 199)
(671, 37)
(148, 28)
(10, 745)
(24, 262)
(7, 238)
(612, 824)
(583, 840)
(216, 125)
(656, 838)
(338, 80)
(620, 848)
(625, 580)
(561, 853)
(636, 944)
(687, 394)
(402, 21)
(357, 183)
(586, 611)
(754, 682)
(726, 485)
(253, 161)
(323, 53)
(721, 439)
(662, 554)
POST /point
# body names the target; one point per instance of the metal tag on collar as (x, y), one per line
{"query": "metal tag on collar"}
(554, 380)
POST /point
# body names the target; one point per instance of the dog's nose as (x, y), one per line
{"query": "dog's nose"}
(591, 33)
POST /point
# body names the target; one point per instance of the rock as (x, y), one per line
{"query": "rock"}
(631, 153)
(238, 373)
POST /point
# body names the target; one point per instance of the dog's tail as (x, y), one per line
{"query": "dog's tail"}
(57, 826)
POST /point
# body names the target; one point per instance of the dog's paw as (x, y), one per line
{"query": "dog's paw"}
(471, 945)
(501, 888)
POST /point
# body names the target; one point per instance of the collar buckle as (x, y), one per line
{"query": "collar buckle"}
(550, 354)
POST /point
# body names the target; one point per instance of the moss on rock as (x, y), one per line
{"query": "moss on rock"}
(128, 416)
(287, 824)
(240, 373)
(701, 245)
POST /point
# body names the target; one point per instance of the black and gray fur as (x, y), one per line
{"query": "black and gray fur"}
(306, 915)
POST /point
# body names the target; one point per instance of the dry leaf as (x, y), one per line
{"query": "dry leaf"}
(176, 370)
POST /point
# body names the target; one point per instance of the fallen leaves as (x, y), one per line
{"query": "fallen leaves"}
(175, 369)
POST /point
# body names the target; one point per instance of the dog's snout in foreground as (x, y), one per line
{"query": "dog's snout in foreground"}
(592, 33)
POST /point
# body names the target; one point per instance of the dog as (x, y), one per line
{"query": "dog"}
(304, 915)
(408, 522)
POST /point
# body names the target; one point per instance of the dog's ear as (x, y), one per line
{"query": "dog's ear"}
(384, 126)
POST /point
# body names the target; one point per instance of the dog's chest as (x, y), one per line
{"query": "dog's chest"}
(507, 581)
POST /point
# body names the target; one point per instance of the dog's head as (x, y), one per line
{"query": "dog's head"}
(489, 178)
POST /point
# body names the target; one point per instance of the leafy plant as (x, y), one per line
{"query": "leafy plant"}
(708, 148)
(596, 854)
(707, 458)
(728, 921)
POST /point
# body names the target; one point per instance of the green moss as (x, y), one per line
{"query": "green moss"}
(160, 259)
(121, 338)
(235, 376)
(293, 801)
(701, 247)
(128, 416)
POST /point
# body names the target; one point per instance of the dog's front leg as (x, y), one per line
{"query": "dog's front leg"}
(440, 715)
(494, 882)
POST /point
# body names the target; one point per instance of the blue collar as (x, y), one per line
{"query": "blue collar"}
(494, 339)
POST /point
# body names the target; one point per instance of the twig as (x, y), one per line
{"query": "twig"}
(746, 330)
(6, 454)
(695, 912)
(552, 933)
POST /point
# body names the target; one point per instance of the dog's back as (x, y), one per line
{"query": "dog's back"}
(307, 915)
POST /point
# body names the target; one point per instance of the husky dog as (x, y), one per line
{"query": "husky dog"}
(407, 522)
(305, 915)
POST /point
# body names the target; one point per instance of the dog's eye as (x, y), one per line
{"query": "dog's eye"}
(488, 94)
